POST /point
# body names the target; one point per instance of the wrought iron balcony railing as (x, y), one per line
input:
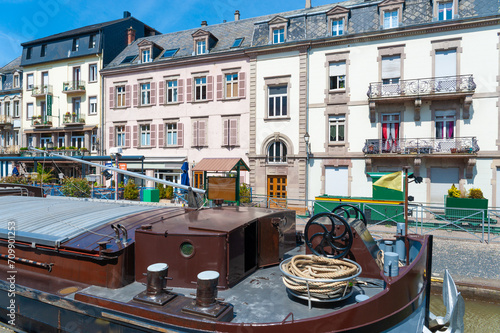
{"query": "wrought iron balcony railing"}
(73, 87)
(465, 145)
(418, 87)
(41, 121)
(73, 119)
(38, 91)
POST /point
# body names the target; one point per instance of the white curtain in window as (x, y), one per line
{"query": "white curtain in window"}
(391, 67)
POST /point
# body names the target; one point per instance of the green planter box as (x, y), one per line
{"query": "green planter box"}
(151, 195)
(473, 213)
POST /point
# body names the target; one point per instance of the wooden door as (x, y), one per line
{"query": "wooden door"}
(276, 190)
(198, 179)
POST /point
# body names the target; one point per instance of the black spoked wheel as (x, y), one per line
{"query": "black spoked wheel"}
(347, 211)
(328, 235)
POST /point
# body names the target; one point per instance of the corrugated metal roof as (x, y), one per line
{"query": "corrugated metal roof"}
(51, 221)
(220, 164)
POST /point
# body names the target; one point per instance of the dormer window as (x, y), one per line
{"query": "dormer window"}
(17, 83)
(391, 13)
(29, 50)
(145, 56)
(237, 42)
(76, 44)
(43, 50)
(278, 35)
(278, 30)
(92, 41)
(445, 10)
(337, 20)
(201, 47)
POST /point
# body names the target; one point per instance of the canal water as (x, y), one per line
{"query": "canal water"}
(480, 317)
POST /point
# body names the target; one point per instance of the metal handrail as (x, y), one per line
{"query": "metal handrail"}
(461, 145)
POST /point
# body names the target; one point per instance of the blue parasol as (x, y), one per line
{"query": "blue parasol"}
(185, 175)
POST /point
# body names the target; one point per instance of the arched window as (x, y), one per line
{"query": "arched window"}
(276, 153)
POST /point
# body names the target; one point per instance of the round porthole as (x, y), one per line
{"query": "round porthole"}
(187, 249)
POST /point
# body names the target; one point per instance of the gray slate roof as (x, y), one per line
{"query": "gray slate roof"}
(11, 66)
(304, 24)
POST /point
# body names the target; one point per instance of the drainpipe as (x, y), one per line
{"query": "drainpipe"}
(307, 125)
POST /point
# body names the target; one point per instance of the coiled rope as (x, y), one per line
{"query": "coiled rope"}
(315, 267)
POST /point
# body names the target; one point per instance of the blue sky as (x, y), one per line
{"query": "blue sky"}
(25, 20)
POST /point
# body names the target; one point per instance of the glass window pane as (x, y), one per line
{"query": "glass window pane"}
(271, 106)
(284, 106)
(341, 132)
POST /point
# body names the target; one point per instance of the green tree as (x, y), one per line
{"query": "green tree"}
(76, 187)
(244, 193)
(43, 175)
(131, 191)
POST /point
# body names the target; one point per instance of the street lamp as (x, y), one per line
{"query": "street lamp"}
(306, 139)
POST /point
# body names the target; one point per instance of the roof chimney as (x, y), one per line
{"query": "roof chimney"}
(204, 23)
(126, 14)
(130, 35)
(237, 15)
(308, 4)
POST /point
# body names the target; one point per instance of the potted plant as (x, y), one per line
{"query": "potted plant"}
(474, 200)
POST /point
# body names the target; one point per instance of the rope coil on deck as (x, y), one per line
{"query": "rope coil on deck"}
(319, 268)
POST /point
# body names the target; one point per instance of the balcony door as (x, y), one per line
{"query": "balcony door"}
(76, 108)
(45, 82)
(390, 132)
(76, 77)
(77, 141)
(446, 71)
(391, 73)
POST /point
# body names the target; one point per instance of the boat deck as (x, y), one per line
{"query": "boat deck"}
(260, 298)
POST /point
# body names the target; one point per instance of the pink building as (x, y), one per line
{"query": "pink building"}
(180, 97)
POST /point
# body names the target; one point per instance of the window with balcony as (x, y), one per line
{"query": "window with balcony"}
(391, 73)
(145, 135)
(337, 75)
(337, 128)
(6, 110)
(278, 101)
(77, 103)
(276, 152)
(93, 105)
(120, 96)
(278, 35)
(172, 91)
(232, 86)
(446, 70)
(337, 27)
(171, 134)
(391, 19)
(200, 88)
(445, 124)
(145, 93)
(93, 73)
(120, 136)
(390, 132)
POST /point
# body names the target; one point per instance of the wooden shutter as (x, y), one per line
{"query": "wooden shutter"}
(135, 136)
(153, 93)
(153, 135)
(161, 135)
(128, 92)
(225, 134)
(210, 88)
(161, 92)
(111, 97)
(111, 137)
(189, 89)
(201, 133)
(241, 84)
(180, 91)
(180, 134)
(135, 97)
(127, 136)
(220, 86)
(233, 132)
(195, 133)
